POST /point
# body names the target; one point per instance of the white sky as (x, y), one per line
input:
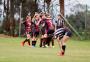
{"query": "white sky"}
(70, 3)
(85, 2)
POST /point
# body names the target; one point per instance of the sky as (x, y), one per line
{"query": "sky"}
(71, 2)
(69, 5)
(85, 2)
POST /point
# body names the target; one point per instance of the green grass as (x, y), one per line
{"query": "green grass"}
(11, 51)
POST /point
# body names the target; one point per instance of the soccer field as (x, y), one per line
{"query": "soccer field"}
(12, 51)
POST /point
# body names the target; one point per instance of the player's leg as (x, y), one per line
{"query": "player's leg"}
(28, 39)
(48, 42)
(41, 39)
(23, 42)
(44, 40)
(64, 40)
(60, 46)
(59, 42)
(28, 42)
(52, 42)
(33, 41)
(51, 37)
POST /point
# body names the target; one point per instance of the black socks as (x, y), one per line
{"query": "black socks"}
(41, 42)
(34, 43)
(63, 47)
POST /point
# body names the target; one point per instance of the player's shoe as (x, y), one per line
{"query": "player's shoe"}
(53, 46)
(22, 43)
(46, 46)
(43, 46)
(60, 53)
(33, 46)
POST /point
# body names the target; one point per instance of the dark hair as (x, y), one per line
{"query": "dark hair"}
(42, 15)
(59, 15)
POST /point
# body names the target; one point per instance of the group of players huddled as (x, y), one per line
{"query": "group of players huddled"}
(41, 25)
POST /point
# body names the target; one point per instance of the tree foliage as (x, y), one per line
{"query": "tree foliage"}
(12, 7)
(78, 22)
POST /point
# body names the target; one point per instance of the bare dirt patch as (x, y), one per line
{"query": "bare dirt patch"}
(5, 36)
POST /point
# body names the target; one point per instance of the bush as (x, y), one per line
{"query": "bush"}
(1, 30)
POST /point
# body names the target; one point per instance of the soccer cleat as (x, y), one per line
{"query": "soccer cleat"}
(53, 46)
(60, 53)
(43, 46)
(33, 46)
(46, 46)
(22, 43)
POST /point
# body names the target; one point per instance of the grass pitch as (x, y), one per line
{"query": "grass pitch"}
(12, 51)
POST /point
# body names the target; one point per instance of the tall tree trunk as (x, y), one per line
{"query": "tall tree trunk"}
(48, 4)
(7, 22)
(36, 6)
(12, 21)
(61, 6)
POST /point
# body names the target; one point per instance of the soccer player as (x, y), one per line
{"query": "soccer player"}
(27, 24)
(43, 29)
(35, 29)
(50, 31)
(62, 35)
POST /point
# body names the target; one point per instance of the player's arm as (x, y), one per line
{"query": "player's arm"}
(38, 23)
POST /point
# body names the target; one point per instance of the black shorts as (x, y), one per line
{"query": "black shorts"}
(67, 33)
(42, 31)
(62, 31)
(35, 34)
(50, 33)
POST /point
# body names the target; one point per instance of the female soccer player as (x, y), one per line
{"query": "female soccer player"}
(43, 29)
(27, 24)
(50, 31)
(62, 33)
(35, 29)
